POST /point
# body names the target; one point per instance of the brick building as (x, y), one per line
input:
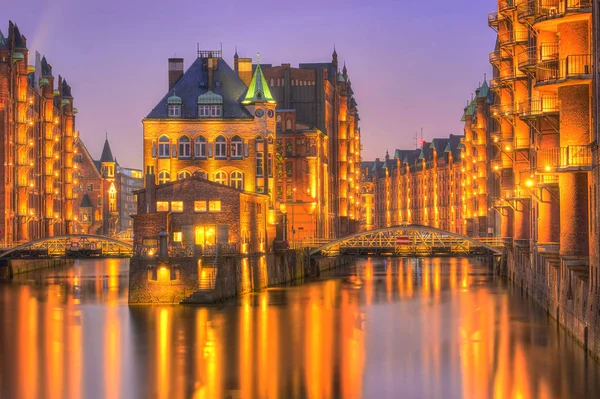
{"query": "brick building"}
(201, 214)
(322, 97)
(128, 180)
(212, 125)
(37, 127)
(302, 178)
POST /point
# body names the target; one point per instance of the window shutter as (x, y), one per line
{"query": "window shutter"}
(174, 150)
(153, 150)
(209, 145)
(228, 146)
(245, 149)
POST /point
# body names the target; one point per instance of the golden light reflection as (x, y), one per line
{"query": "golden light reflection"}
(163, 358)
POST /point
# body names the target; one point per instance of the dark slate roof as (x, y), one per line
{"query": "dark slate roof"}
(455, 145)
(3, 43)
(19, 42)
(331, 72)
(66, 89)
(46, 68)
(483, 91)
(411, 156)
(188, 87)
(85, 202)
(439, 145)
(107, 155)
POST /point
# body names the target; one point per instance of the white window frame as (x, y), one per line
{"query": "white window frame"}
(221, 177)
(237, 146)
(185, 148)
(174, 110)
(164, 177)
(216, 111)
(200, 147)
(220, 148)
(164, 147)
(184, 174)
(204, 111)
(236, 180)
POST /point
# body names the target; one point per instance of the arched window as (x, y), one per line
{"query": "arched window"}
(200, 147)
(164, 147)
(288, 124)
(220, 148)
(184, 147)
(184, 174)
(237, 180)
(236, 147)
(201, 174)
(221, 177)
(164, 177)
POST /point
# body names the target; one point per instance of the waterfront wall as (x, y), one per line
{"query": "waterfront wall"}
(206, 280)
(11, 267)
(560, 286)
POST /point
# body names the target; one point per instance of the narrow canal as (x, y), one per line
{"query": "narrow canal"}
(395, 328)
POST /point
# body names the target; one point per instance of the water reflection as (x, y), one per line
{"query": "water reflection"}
(431, 328)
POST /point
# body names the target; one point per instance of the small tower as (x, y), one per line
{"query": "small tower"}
(85, 216)
(110, 212)
(334, 59)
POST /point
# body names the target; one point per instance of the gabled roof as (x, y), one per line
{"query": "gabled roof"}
(258, 90)
(483, 91)
(66, 89)
(85, 202)
(3, 42)
(107, 155)
(46, 68)
(19, 42)
(193, 83)
(86, 154)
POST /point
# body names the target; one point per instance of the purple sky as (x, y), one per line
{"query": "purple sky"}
(412, 64)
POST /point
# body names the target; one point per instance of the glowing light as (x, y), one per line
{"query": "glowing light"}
(529, 183)
(507, 148)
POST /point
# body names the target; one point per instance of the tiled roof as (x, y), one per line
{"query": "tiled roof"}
(19, 42)
(483, 91)
(194, 83)
(107, 155)
(85, 202)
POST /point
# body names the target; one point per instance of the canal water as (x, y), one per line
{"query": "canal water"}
(382, 328)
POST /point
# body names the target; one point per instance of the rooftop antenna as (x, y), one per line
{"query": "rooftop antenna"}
(416, 141)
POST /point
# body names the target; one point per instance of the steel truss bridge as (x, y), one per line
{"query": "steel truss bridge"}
(410, 240)
(74, 245)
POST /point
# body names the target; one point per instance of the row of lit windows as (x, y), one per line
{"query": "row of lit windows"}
(236, 147)
(235, 180)
(204, 111)
(199, 206)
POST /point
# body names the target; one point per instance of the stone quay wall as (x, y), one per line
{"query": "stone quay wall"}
(550, 281)
(11, 267)
(181, 280)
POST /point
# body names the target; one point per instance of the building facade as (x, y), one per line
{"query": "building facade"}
(200, 215)
(37, 126)
(321, 96)
(302, 179)
(128, 180)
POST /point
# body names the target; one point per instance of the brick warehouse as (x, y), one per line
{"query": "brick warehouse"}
(37, 126)
(200, 214)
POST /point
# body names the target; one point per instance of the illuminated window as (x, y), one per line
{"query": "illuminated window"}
(162, 206)
(220, 147)
(164, 177)
(221, 177)
(199, 206)
(177, 236)
(184, 174)
(203, 111)
(184, 147)
(175, 110)
(260, 164)
(214, 206)
(177, 206)
(215, 111)
(237, 180)
(163, 147)
(236, 147)
(205, 235)
(200, 147)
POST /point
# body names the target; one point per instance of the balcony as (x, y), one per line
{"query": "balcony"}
(573, 158)
(506, 5)
(497, 56)
(493, 20)
(510, 38)
(498, 164)
(502, 110)
(558, 71)
(546, 10)
(537, 107)
(528, 59)
(522, 143)
(526, 11)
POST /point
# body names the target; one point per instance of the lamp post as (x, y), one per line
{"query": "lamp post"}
(293, 225)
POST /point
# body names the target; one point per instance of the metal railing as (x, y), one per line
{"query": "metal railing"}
(502, 110)
(547, 9)
(573, 67)
(548, 51)
(522, 143)
(526, 10)
(493, 18)
(506, 5)
(496, 56)
(570, 157)
(546, 104)
(511, 37)
(528, 57)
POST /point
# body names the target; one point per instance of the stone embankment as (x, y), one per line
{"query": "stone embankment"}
(11, 267)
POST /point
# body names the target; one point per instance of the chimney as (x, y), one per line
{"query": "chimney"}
(175, 71)
(245, 70)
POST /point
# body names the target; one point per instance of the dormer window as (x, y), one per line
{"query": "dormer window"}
(210, 105)
(174, 106)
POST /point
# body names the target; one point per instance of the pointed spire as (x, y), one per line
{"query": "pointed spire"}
(236, 54)
(334, 58)
(107, 155)
(19, 40)
(345, 70)
(3, 43)
(258, 90)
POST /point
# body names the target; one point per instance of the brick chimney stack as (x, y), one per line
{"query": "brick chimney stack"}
(175, 71)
